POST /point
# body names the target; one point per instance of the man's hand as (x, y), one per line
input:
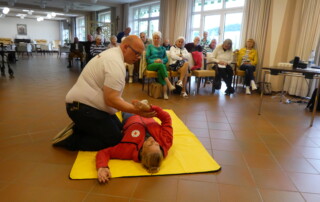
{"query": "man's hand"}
(104, 175)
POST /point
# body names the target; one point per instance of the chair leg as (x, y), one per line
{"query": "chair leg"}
(213, 87)
(198, 84)
(143, 80)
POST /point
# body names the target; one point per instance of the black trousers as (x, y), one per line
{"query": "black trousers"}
(94, 129)
(249, 69)
(226, 74)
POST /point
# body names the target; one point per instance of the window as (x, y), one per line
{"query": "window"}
(104, 17)
(222, 19)
(144, 18)
(65, 36)
(81, 29)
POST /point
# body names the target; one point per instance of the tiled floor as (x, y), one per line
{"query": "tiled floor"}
(272, 157)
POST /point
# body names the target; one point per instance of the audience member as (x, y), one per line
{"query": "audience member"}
(204, 41)
(156, 59)
(149, 146)
(247, 61)
(196, 50)
(209, 48)
(97, 47)
(87, 46)
(95, 98)
(113, 42)
(76, 50)
(100, 35)
(223, 56)
(146, 41)
(125, 33)
(166, 44)
(195, 46)
(179, 62)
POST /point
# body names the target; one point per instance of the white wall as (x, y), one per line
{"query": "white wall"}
(47, 29)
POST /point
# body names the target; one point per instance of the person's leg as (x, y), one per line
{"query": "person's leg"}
(94, 129)
(183, 71)
(160, 71)
(130, 70)
(70, 57)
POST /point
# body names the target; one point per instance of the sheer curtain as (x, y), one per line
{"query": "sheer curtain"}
(255, 24)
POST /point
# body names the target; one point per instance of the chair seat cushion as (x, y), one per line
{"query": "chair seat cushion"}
(148, 73)
(204, 73)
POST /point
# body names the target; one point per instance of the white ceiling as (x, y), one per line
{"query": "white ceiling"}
(63, 8)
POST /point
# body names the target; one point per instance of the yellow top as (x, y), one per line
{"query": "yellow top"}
(252, 56)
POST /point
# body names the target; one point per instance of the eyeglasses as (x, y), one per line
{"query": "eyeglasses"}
(138, 54)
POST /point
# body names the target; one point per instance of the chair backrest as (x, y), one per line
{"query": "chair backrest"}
(6, 41)
(41, 41)
(56, 44)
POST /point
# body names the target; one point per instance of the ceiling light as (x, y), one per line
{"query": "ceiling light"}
(53, 14)
(5, 10)
(49, 16)
(30, 12)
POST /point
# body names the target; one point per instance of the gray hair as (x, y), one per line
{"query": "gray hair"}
(181, 37)
(157, 34)
(228, 41)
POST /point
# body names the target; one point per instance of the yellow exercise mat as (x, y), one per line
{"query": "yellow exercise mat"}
(187, 155)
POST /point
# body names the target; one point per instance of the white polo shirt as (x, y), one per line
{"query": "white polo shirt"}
(106, 69)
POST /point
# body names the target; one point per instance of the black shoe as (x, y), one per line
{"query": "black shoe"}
(231, 90)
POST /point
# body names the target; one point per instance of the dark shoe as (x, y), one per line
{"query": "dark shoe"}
(62, 135)
(231, 90)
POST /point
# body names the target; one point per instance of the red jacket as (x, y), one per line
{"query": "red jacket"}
(134, 136)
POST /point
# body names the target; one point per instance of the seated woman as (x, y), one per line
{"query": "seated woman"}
(156, 59)
(196, 50)
(144, 140)
(247, 61)
(97, 47)
(113, 42)
(179, 63)
(223, 56)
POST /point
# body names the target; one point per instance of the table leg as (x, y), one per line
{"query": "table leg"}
(261, 94)
(315, 105)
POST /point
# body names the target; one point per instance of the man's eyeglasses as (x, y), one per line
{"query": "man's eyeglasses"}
(138, 54)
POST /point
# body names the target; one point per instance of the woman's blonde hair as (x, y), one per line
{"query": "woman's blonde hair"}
(157, 34)
(151, 161)
(253, 43)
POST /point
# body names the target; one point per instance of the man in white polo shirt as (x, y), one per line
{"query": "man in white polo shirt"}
(95, 98)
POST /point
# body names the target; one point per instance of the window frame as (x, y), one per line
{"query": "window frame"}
(132, 20)
(222, 12)
(81, 27)
(103, 14)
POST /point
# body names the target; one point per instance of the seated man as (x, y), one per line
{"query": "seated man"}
(76, 50)
(146, 41)
(144, 140)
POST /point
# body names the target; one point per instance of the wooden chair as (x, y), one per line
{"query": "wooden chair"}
(204, 72)
(239, 74)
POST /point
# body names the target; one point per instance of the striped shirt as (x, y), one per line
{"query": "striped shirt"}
(96, 49)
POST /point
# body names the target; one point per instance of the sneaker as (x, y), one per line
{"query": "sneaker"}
(248, 90)
(171, 88)
(142, 105)
(130, 79)
(253, 85)
(179, 83)
(184, 94)
(64, 134)
(165, 96)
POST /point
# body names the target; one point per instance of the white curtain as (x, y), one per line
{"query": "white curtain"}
(173, 18)
(309, 30)
(255, 23)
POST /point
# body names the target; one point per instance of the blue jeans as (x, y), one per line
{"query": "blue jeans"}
(249, 69)
(94, 129)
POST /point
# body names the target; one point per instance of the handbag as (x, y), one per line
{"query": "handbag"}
(155, 90)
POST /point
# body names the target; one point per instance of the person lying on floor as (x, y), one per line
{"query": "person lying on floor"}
(144, 140)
